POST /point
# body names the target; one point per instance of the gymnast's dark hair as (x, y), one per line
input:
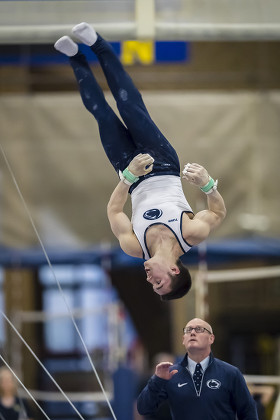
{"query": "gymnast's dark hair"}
(180, 284)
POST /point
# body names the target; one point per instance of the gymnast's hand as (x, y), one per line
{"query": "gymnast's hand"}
(163, 370)
(195, 174)
(141, 164)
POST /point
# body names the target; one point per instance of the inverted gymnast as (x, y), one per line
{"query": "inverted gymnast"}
(163, 226)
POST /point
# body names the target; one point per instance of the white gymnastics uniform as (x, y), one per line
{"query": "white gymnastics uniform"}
(159, 200)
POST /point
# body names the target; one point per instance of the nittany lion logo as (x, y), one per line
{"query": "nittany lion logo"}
(152, 214)
(213, 384)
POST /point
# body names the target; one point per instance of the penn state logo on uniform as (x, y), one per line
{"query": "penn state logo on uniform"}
(152, 214)
(213, 384)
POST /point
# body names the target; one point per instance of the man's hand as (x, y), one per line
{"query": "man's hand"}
(196, 174)
(141, 164)
(163, 372)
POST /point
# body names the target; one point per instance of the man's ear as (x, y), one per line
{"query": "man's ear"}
(175, 270)
(212, 338)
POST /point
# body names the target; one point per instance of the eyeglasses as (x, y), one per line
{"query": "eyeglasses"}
(188, 330)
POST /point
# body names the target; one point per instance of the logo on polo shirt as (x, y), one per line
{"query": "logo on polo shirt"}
(152, 214)
(213, 384)
(180, 385)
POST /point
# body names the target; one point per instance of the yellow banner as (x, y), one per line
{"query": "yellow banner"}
(134, 52)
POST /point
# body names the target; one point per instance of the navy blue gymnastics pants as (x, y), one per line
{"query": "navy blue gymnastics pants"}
(138, 134)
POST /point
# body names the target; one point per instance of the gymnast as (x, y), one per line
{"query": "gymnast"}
(163, 226)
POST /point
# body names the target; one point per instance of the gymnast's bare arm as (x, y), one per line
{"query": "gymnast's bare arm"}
(120, 223)
(197, 229)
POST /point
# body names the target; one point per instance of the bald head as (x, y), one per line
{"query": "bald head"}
(198, 338)
(200, 322)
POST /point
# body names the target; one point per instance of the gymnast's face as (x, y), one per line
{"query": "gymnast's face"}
(158, 274)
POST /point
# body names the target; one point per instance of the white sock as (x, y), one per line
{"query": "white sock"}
(66, 46)
(85, 33)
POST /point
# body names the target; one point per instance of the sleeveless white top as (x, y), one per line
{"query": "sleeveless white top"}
(159, 200)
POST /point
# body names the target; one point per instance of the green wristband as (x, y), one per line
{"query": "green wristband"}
(129, 176)
(208, 186)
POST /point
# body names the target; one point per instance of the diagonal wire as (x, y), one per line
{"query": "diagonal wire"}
(57, 281)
